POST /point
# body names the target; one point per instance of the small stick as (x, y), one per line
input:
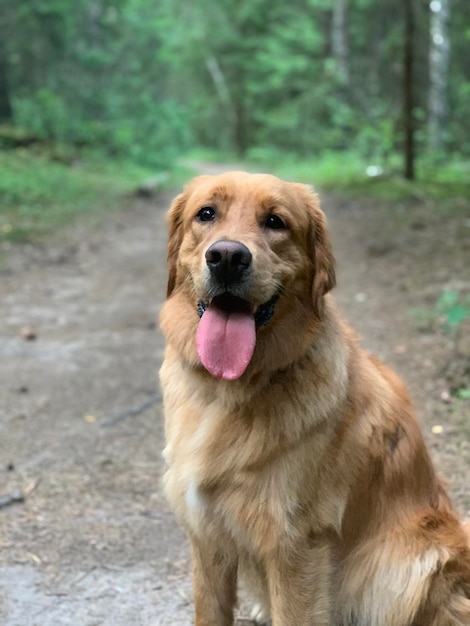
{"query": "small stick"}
(11, 498)
(132, 412)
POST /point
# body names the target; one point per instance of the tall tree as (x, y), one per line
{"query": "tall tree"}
(408, 95)
(439, 50)
(339, 38)
(6, 113)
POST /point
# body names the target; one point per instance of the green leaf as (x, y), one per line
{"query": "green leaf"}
(457, 314)
(448, 299)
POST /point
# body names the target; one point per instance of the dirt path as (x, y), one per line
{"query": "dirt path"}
(94, 542)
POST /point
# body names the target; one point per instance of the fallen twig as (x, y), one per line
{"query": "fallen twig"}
(84, 575)
(11, 498)
(30, 487)
(137, 410)
(19, 495)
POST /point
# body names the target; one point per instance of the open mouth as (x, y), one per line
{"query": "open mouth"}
(233, 304)
(226, 334)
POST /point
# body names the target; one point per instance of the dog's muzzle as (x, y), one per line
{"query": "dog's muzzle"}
(229, 263)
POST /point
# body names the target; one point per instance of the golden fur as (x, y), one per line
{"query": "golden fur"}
(308, 476)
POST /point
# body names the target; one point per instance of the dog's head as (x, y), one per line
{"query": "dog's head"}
(242, 246)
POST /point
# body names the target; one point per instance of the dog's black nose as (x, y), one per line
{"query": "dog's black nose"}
(228, 260)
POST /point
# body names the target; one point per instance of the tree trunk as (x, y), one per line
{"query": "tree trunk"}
(438, 73)
(230, 109)
(339, 40)
(408, 100)
(241, 134)
(221, 87)
(6, 112)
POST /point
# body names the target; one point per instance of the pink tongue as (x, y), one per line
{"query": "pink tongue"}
(225, 342)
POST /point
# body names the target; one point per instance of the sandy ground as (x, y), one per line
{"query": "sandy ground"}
(92, 541)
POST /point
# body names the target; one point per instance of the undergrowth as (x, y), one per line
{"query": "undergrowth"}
(350, 175)
(39, 192)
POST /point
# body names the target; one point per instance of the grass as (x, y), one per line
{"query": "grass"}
(347, 174)
(38, 194)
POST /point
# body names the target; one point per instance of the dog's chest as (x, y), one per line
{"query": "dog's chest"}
(217, 495)
(229, 476)
(251, 514)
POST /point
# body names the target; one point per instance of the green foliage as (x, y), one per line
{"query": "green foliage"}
(45, 114)
(346, 173)
(453, 307)
(450, 310)
(145, 81)
(330, 169)
(90, 74)
(37, 193)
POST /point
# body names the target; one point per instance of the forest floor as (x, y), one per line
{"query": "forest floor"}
(91, 540)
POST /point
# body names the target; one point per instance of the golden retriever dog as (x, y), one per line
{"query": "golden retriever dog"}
(294, 459)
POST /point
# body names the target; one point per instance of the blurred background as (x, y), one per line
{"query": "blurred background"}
(325, 90)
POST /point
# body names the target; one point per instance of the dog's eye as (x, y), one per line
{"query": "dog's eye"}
(206, 214)
(274, 222)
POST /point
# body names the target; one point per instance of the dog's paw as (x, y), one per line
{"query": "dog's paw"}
(260, 616)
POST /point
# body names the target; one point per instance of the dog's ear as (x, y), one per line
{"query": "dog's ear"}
(175, 228)
(324, 277)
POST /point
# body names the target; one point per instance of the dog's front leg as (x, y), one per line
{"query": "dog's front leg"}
(215, 583)
(300, 584)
